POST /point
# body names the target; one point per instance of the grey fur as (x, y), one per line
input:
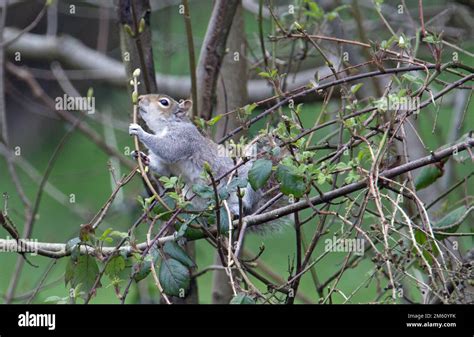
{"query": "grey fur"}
(177, 148)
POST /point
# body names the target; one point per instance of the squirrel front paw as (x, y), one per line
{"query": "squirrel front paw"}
(135, 129)
(145, 158)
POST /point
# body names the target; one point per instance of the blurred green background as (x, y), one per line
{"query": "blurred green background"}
(82, 169)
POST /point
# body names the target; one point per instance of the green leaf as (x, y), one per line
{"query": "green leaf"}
(352, 177)
(432, 39)
(341, 166)
(242, 299)
(115, 266)
(248, 109)
(323, 178)
(175, 196)
(429, 39)
(192, 233)
(187, 231)
(314, 10)
(53, 299)
(332, 15)
(451, 221)
(422, 240)
(412, 78)
(236, 182)
(142, 270)
(118, 234)
(105, 234)
(159, 209)
(175, 251)
(83, 271)
(259, 173)
(141, 201)
(223, 193)
(356, 87)
(200, 122)
(214, 120)
(290, 181)
(224, 221)
(174, 277)
(169, 182)
(204, 191)
(427, 176)
(143, 267)
(401, 42)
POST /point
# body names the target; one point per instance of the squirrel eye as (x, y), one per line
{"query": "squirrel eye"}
(164, 102)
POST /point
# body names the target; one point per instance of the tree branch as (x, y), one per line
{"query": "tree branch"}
(58, 250)
(91, 64)
(342, 191)
(212, 53)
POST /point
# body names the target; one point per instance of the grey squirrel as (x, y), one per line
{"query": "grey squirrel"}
(177, 148)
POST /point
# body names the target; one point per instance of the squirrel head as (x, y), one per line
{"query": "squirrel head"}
(156, 109)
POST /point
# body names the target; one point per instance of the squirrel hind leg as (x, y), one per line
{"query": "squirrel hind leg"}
(274, 226)
(249, 201)
(252, 201)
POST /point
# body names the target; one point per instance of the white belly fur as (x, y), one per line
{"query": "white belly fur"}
(187, 169)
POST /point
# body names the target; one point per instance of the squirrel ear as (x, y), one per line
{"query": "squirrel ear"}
(184, 107)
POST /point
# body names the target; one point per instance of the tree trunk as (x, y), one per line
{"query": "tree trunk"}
(231, 94)
(212, 53)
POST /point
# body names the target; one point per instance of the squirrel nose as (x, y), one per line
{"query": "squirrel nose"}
(142, 99)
